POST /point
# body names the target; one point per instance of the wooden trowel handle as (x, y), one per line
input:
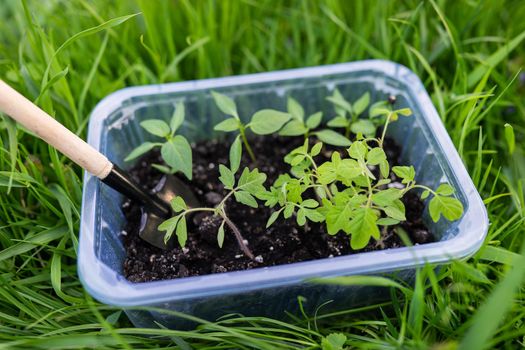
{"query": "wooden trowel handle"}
(48, 129)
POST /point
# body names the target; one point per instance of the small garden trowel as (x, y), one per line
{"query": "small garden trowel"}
(157, 206)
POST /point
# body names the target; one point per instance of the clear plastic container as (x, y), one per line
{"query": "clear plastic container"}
(114, 130)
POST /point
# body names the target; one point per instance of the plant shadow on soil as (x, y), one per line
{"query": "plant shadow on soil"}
(283, 243)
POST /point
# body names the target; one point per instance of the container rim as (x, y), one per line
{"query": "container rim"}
(109, 287)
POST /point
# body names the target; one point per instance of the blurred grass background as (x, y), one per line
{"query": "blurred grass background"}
(67, 55)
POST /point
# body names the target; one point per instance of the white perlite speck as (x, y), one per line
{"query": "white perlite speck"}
(259, 259)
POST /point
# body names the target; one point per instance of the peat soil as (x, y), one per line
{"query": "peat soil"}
(283, 243)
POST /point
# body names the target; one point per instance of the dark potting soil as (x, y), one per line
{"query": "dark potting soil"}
(283, 243)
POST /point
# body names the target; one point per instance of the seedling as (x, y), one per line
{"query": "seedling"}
(262, 122)
(382, 109)
(347, 115)
(352, 192)
(298, 126)
(349, 195)
(249, 186)
(175, 150)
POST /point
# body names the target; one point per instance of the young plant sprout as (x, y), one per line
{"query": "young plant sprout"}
(263, 122)
(298, 126)
(348, 115)
(175, 150)
(249, 186)
(349, 197)
(382, 109)
(352, 192)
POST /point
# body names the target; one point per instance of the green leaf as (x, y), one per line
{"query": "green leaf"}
(252, 181)
(288, 210)
(225, 104)
(378, 109)
(386, 197)
(230, 124)
(301, 217)
(449, 207)
(268, 121)
(177, 154)
(178, 204)
(332, 138)
(301, 149)
(361, 180)
(338, 218)
(169, 226)
(338, 100)
(375, 156)
(445, 190)
(361, 104)
(245, 198)
(338, 215)
(140, 150)
(294, 191)
(314, 120)
(493, 60)
(271, 197)
(235, 154)
(362, 227)
(425, 194)
(181, 231)
(358, 150)
(293, 128)
(395, 210)
(334, 341)
(387, 222)
(384, 169)
(310, 203)
(327, 173)
(406, 173)
(509, 136)
(295, 109)
(316, 149)
(404, 112)
(363, 126)
(338, 122)
(314, 215)
(297, 159)
(177, 118)
(156, 127)
(220, 234)
(227, 178)
(164, 169)
(272, 218)
(348, 170)
(383, 182)
(394, 116)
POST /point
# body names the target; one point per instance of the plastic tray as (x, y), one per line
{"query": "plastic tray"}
(114, 130)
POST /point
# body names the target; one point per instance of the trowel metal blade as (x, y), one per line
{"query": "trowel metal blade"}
(168, 188)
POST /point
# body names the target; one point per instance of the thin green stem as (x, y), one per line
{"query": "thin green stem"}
(384, 130)
(246, 144)
(370, 192)
(347, 130)
(421, 186)
(371, 139)
(327, 190)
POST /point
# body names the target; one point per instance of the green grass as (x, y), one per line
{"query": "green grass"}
(67, 55)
